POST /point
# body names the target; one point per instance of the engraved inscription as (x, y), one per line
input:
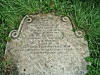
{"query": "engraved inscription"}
(46, 45)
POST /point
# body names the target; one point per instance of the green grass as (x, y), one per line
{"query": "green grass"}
(84, 13)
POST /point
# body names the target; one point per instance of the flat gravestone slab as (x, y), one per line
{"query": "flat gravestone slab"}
(46, 45)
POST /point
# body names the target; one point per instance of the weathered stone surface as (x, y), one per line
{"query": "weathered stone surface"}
(46, 45)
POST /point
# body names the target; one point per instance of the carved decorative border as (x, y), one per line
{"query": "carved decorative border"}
(15, 33)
